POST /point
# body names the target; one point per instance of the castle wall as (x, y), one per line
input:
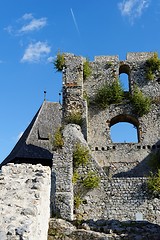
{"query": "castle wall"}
(107, 69)
(121, 199)
(124, 156)
(122, 166)
(24, 201)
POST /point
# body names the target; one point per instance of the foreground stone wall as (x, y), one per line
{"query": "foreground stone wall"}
(120, 199)
(24, 202)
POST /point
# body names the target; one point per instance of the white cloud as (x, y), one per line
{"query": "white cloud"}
(36, 52)
(133, 8)
(27, 16)
(27, 23)
(34, 24)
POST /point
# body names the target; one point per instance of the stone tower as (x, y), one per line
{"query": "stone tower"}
(122, 159)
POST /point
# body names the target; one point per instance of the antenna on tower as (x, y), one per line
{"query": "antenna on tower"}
(45, 95)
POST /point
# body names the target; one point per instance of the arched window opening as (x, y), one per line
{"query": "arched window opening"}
(124, 129)
(124, 77)
(124, 133)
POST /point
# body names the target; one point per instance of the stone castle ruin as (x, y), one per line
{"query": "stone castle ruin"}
(40, 180)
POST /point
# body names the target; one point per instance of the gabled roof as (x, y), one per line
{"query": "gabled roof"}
(35, 144)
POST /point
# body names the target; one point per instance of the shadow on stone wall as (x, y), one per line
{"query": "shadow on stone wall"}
(146, 166)
(126, 229)
(102, 229)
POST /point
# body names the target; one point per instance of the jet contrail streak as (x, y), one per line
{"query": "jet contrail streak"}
(75, 22)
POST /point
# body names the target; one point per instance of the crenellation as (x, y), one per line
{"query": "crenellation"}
(139, 56)
(102, 59)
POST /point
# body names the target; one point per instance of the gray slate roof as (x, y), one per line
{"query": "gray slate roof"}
(35, 144)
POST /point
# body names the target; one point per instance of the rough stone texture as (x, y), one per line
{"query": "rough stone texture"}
(115, 198)
(103, 230)
(62, 173)
(135, 156)
(120, 198)
(24, 202)
(62, 188)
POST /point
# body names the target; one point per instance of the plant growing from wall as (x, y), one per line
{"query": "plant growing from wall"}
(109, 94)
(75, 118)
(77, 201)
(75, 177)
(58, 139)
(83, 183)
(141, 103)
(153, 183)
(91, 181)
(80, 156)
(59, 62)
(152, 65)
(86, 69)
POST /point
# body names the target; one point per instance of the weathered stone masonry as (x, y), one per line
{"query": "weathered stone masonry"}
(129, 160)
(33, 193)
(106, 69)
(24, 201)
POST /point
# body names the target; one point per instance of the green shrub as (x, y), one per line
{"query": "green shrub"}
(91, 181)
(75, 118)
(75, 177)
(58, 139)
(141, 103)
(77, 201)
(59, 63)
(86, 69)
(150, 75)
(80, 156)
(153, 182)
(152, 65)
(108, 94)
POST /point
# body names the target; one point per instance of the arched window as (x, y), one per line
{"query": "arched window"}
(124, 129)
(124, 77)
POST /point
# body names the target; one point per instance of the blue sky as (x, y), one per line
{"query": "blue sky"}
(32, 31)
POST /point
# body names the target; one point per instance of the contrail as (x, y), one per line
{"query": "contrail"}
(75, 22)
